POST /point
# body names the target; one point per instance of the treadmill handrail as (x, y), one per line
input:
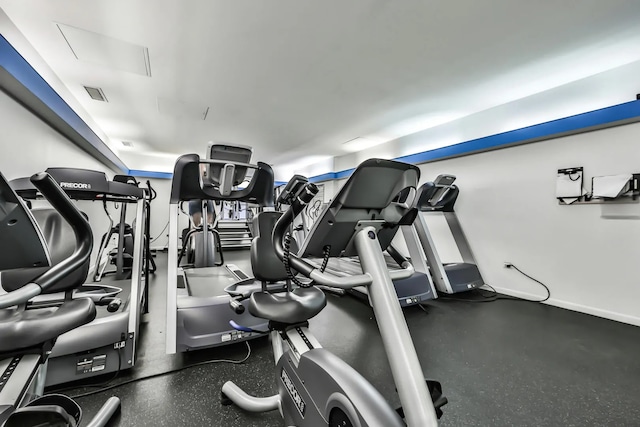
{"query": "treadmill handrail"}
(188, 182)
(84, 243)
(228, 162)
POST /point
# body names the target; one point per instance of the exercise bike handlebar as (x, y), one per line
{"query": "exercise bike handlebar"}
(84, 243)
(323, 278)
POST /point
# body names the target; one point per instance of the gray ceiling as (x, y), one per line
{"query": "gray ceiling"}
(295, 78)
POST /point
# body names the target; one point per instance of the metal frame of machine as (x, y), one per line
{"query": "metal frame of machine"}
(198, 313)
(108, 343)
(25, 355)
(440, 196)
(314, 386)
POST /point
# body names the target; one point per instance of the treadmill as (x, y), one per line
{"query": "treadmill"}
(198, 314)
(416, 289)
(108, 343)
(438, 198)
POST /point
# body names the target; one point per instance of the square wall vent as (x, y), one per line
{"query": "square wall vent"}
(96, 93)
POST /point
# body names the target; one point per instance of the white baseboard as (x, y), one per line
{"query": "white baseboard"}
(611, 315)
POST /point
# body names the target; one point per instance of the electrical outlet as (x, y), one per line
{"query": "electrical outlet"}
(507, 264)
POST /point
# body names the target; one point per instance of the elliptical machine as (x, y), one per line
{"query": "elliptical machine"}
(28, 334)
(314, 386)
(228, 168)
(201, 244)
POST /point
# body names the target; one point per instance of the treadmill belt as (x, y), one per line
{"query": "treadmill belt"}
(352, 266)
(208, 282)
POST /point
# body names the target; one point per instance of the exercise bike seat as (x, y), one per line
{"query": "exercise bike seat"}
(21, 329)
(292, 307)
(296, 306)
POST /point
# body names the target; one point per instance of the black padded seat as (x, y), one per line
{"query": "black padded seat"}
(21, 329)
(61, 241)
(293, 307)
(265, 264)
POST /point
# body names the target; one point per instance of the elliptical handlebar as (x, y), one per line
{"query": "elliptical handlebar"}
(152, 192)
(84, 243)
(304, 196)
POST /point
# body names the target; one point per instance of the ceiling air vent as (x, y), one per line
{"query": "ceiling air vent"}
(96, 93)
(127, 144)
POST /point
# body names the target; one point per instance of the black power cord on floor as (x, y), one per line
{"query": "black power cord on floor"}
(495, 296)
(160, 374)
(510, 265)
(483, 297)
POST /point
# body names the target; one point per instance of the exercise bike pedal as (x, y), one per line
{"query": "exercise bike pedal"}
(241, 328)
(224, 400)
(435, 389)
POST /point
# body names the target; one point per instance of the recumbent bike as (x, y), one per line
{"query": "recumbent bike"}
(28, 334)
(316, 387)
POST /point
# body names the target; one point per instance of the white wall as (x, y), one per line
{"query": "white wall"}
(508, 211)
(149, 161)
(29, 146)
(159, 212)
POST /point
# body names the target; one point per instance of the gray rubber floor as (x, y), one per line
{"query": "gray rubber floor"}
(504, 363)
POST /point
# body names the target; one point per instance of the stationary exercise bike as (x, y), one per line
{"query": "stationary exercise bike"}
(29, 333)
(315, 387)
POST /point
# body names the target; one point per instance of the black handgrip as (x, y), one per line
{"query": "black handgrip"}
(236, 305)
(84, 237)
(308, 192)
(284, 223)
(114, 305)
(397, 256)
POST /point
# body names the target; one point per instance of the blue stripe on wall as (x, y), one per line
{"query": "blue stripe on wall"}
(605, 117)
(150, 174)
(21, 70)
(324, 177)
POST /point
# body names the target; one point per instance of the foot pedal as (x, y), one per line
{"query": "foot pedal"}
(435, 389)
(224, 400)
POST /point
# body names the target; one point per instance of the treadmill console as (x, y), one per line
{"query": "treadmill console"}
(443, 184)
(220, 174)
(438, 195)
(444, 180)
